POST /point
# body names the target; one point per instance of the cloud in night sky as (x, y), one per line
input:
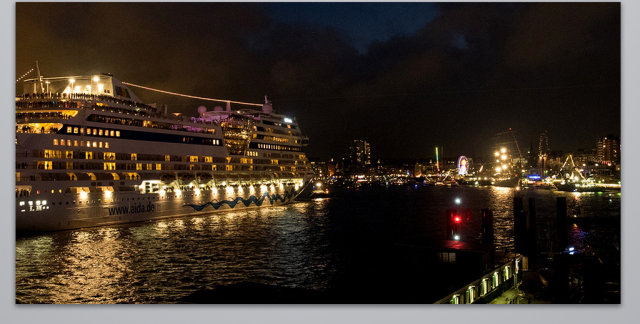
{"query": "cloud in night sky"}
(427, 74)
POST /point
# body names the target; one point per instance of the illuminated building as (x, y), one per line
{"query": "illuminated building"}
(608, 150)
(360, 154)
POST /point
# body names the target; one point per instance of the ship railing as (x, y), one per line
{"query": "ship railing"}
(84, 96)
(488, 287)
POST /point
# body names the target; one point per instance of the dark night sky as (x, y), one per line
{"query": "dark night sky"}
(405, 76)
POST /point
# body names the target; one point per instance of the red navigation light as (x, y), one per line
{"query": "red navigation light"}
(457, 219)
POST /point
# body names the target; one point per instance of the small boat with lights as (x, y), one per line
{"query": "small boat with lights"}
(89, 153)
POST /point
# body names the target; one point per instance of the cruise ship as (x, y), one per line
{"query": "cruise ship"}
(90, 153)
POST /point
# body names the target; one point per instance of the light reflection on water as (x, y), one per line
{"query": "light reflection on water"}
(290, 246)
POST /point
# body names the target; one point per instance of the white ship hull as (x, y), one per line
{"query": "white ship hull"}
(66, 211)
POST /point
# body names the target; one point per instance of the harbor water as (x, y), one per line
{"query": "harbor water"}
(365, 246)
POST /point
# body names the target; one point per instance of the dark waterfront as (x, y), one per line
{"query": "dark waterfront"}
(363, 246)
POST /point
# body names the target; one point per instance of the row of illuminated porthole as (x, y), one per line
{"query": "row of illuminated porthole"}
(93, 131)
(63, 142)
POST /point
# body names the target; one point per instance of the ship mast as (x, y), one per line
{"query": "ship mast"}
(39, 78)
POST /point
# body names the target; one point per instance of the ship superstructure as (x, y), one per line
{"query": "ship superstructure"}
(90, 153)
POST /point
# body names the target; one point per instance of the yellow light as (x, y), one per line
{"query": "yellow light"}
(240, 191)
(498, 169)
(96, 79)
(319, 184)
(252, 189)
(504, 156)
(72, 80)
(178, 192)
(197, 191)
(83, 195)
(263, 189)
(496, 153)
(504, 166)
(229, 190)
(161, 192)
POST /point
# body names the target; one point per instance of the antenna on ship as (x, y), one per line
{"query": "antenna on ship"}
(39, 78)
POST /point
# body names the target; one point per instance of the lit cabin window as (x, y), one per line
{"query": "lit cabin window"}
(117, 133)
(95, 131)
(100, 144)
(75, 130)
(193, 158)
(106, 144)
(75, 143)
(69, 129)
(81, 130)
(88, 144)
(208, 159)
(88, 131)
(55, 141)
(213, 167)
(134, 156)
(100, 132)
(95, 144)
(167, 158)
(111, 133)
(138, 166)
(149, 166)
(229, 167)
(158, 166)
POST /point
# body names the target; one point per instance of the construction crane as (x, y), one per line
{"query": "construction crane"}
(517, 147)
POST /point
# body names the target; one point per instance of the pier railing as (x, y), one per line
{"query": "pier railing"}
(488, 287)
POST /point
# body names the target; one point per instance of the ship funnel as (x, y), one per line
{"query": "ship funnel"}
(202, 110)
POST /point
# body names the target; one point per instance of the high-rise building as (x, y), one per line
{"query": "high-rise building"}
(360, 153)
(543, 151)
(608, 150)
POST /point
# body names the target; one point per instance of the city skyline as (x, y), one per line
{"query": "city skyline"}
(454, 76)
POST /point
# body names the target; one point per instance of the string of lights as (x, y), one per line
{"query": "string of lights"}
(192, 97)
(24, 75)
